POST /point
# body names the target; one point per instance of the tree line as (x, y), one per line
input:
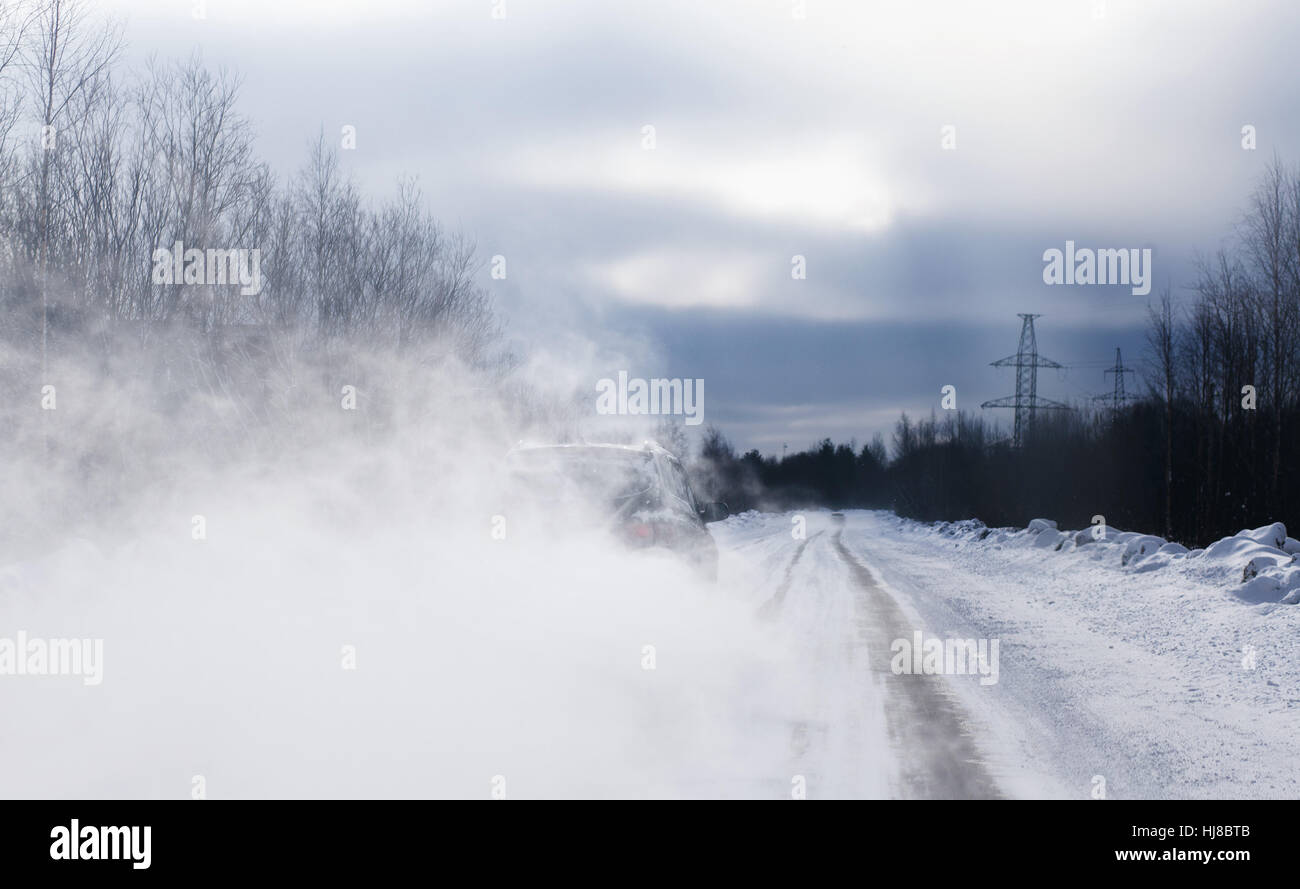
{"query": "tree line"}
(117, 380)
(100, 167)
(1205, 449)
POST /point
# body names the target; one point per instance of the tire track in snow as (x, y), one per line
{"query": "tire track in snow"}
(839, 741)
(927, 725)
(769, 608)
(800, 732)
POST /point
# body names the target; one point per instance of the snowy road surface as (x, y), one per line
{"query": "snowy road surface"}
(1128, 679)
(289, 656)
(873, 733)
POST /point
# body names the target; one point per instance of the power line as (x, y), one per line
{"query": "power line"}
(1026, 402)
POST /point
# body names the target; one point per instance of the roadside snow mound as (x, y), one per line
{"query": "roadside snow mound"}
(1261, 564)
(1095, 534)
(1272, 585)
(960, 529)
(1273, 535)
(1048, 537)
(747, 519)
(1139, 546)
(1251, 556)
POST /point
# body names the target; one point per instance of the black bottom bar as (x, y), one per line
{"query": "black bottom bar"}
(371, 838)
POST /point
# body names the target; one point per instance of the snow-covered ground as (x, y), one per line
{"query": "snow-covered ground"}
(1122, 659)
(290, 654)
(1157, 669)
(482, 666)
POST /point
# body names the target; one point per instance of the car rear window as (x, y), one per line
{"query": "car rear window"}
(596, 472)
(675, 480)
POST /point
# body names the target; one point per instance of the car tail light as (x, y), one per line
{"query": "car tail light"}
(640, 532)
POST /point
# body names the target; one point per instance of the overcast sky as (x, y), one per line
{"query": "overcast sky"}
(1114, 124)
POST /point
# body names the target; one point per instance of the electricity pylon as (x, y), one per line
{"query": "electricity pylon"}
(1026, 402)
(1119, 397)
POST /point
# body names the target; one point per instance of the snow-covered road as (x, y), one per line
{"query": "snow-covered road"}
(289, 656)
(844, 622)
(1135, 683)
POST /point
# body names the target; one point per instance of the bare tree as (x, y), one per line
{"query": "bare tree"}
(1161, 346)
(16, 19)
(209, 188)
(69, 54)
(1265, 234)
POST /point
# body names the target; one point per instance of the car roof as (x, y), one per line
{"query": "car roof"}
(646, 447)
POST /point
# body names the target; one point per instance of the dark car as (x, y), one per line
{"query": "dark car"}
(638, 492)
